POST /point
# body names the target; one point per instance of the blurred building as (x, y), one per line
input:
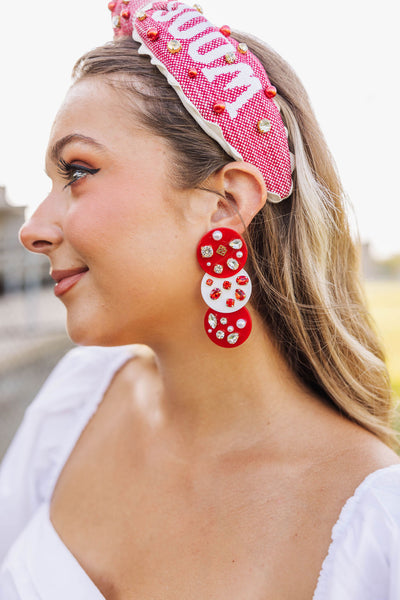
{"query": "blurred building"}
(32, 331)
(18, 268)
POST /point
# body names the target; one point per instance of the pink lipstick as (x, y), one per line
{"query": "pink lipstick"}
(66, 279)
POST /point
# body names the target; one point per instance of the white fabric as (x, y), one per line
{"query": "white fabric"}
(363, 562)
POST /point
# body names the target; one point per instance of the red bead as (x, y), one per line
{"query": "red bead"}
(209, 282)
(242, 280)
(126, 14)
(153, 34)
(270, 91)
(215, 294)
(225, 30)
(192, 73)
(228, 330)
(240, 295)
(227, 285)
(112, 5)
(230, 302)
(219, 107)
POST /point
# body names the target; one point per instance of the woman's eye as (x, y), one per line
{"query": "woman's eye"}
(72, 172)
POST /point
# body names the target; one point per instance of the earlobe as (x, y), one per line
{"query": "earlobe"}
(243, 194)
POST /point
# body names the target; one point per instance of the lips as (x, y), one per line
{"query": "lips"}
(67, 278)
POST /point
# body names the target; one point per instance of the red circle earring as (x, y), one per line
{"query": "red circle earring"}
(226, 287)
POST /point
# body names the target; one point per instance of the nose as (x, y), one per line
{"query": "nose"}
(40, 233)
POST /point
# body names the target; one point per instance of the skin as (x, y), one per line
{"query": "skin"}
(204, 470)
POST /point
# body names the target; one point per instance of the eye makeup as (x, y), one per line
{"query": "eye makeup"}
(73, 172)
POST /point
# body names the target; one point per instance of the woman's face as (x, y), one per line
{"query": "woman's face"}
(113, 214)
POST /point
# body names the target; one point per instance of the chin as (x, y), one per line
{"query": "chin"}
(85, 333)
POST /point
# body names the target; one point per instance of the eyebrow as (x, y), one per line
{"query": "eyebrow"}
(68, 139)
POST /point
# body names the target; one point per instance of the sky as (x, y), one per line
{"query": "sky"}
(346, 53)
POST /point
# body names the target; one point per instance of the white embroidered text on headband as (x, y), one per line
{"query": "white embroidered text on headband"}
(220, 82)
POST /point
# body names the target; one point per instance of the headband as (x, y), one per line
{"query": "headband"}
(220, 82)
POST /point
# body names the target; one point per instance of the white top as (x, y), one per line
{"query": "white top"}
(363, 562)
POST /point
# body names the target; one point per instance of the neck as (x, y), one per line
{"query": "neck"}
(208, 390)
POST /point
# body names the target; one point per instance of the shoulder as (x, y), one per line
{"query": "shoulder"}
(73, 389)
(80, 370)
(375, 503)
(364, 555)
(50, 427)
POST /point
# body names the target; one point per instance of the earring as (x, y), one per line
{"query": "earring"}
(226, 287)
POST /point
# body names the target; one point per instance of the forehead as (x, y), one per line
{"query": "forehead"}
(93, 109)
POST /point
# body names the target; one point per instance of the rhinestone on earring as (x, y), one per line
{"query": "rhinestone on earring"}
(226, 287)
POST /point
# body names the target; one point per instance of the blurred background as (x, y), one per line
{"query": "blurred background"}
(346, 54)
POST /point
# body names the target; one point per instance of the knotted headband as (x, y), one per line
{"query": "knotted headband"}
(220, 82)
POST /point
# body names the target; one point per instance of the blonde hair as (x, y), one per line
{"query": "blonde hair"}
(303, 261)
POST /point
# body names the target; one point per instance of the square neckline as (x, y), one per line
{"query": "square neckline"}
(109, 374)
(343, 519)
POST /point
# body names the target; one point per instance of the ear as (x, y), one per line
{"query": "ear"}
(243, 194)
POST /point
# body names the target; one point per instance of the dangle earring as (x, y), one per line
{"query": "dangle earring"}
(226, 287)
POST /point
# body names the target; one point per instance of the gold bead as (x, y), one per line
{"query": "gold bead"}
(243, 48)
(174, 46)
(264, 125)
(141, 15)
(230, 57)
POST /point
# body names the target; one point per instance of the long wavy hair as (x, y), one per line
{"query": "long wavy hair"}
(303, 260)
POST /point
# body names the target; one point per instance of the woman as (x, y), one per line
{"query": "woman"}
(216, 463)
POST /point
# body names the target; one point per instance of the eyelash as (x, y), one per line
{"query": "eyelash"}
(73, 173)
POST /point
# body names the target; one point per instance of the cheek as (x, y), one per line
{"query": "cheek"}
(135, 247)
(95, 225)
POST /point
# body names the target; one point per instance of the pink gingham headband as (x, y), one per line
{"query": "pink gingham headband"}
(219, 81)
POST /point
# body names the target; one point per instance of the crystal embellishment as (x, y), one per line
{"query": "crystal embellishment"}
(198, 8)
(222, 250)
(232, 264)
(215, 294)
(236, 244)
(207, 251)
(240, 295)
(141, 15)
(264, 125)
(212, 320)
(230, 329)
(230, 58)
(243, 48)
(224, 321)
(233, 338)
(241, 323)
(220, 334)
(116, 21)
(217, 236)
(239, 254)
(242, 280)
(227, 285)
(219, 107)
(218, 269)
(225, 30)
(174, 46)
